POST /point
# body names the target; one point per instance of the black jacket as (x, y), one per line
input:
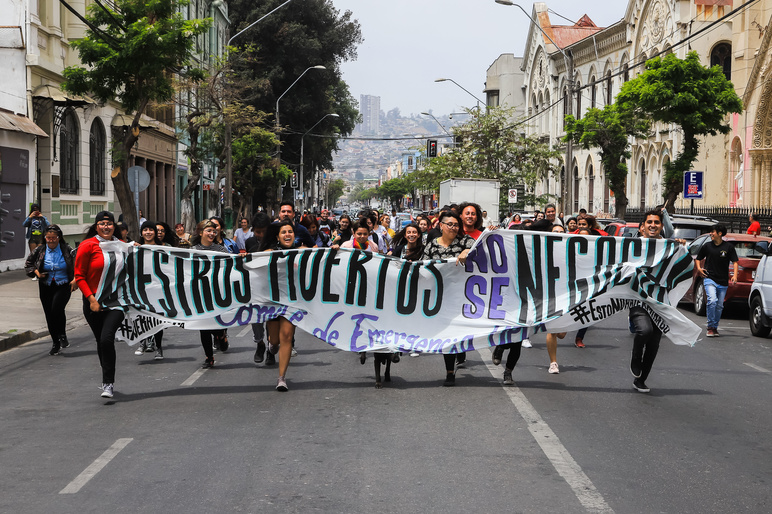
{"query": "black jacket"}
(36, 258)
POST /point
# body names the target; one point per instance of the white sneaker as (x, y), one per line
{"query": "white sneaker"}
(554, 368)
(294, 352)
(140, 349)
(527, 343)
(34, 279)
(107, 391)
(414, 354)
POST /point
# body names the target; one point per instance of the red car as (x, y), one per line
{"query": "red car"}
(748, 261)
(622, 229)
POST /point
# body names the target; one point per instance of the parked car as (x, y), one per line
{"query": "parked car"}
(748, 261)
(691, 227)
(760, 298)
(622, 229)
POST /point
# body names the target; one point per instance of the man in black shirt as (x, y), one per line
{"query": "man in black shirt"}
(303, 238)
(717, 254)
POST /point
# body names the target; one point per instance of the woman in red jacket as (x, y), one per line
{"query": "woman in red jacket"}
(104, 323)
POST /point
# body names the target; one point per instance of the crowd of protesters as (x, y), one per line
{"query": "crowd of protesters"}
(447, 234)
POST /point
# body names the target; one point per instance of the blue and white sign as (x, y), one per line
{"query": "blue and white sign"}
(693, 185)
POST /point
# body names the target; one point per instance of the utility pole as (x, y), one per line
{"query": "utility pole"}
(568, 174)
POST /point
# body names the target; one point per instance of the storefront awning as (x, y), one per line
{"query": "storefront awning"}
(18, 123)
(124, 120)
(61, 98)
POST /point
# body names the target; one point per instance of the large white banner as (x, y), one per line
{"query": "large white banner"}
(359, 301)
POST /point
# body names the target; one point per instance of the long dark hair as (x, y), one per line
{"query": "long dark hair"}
(170, 236)
(271, 238)
(347, 233)
(220, 233)
(400, 239)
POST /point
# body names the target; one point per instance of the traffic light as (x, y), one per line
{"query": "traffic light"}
(431, 148)
(294, 180)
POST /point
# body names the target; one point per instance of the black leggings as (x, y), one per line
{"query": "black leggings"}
(104, 324)
(207, 339)
(54, 299)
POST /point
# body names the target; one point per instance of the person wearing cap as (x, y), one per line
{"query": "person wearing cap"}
(104, 322)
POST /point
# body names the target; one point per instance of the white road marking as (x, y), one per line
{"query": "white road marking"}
(96, 466)
(195, 376)
(248, 328)
(757, 368)
(557, 454)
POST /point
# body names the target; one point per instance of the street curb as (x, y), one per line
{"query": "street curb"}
(12, 340)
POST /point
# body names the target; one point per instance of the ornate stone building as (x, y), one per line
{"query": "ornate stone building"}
(605, 58)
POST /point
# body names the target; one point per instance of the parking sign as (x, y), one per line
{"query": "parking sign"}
(693, 185)
(512, 195)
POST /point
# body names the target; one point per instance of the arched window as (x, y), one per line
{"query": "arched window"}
(68, 144)
(643, 185)
(593, 92)
(96, 152)
(578, 112)
(609, 95)
(591, 189)
(576, 188)
(625, 73)
(722, 56)
(566, 99)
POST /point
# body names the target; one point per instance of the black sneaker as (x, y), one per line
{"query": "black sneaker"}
(208, 363)
(640, 386)
(270, 359)
(461, 360)
(63, 342)
(54, 349)
(260, 352)
(450, 380)
(498, 352)
(396, 357)
(508, 378)
(223, 347)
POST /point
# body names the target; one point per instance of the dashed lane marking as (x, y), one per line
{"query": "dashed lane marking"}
(557, 454)
(96, 466)
(248, 328)
(757, 368)
(195, 376)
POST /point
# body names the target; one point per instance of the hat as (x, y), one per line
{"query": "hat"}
(104, 216)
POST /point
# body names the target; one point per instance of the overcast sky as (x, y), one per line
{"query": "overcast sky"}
(410, 43)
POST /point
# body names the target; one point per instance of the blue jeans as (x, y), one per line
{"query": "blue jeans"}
(715, 296)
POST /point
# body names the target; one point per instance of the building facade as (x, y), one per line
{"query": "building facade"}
(370, 108)
(604, 58)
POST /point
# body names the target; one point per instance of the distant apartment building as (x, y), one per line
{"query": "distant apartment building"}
(370, 107)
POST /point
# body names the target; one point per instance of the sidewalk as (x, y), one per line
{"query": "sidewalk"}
(21, 315)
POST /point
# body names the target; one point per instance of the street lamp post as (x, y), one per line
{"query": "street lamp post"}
(438, 123)
(569, 62)
(317, 67)
(229, 135)
(301, 184)
(465, 89)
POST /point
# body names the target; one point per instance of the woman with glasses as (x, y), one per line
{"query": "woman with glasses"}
(53, 264)
(448, 246)
(104, 322)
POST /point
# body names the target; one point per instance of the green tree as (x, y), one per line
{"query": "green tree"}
(394, 190)
(287, 43)
(685, 93)
(131, 54)
(335, 190)
(492, 147)
(608, 129)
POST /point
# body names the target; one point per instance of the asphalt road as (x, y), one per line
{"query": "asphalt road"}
(580, 441)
